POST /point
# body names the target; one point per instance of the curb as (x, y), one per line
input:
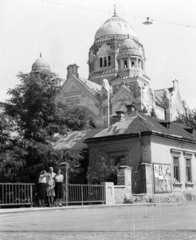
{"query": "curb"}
(65, 208)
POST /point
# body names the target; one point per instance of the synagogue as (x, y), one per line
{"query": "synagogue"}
(133, 121)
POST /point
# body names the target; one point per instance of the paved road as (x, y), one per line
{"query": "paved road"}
(144, 222)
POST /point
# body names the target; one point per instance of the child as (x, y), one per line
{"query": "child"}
(50, 191)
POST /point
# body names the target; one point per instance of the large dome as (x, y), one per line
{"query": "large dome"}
(115, 26)
(40, 65)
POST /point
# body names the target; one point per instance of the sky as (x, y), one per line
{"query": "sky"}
(64, 30)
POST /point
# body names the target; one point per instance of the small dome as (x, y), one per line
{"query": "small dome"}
(115, 26)
(40, 65)
(130, 46)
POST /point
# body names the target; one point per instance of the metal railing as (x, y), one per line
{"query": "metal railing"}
(84, 193)
(16, 194)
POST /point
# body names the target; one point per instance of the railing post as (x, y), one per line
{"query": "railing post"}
(31, 195)
(66, 194)
(82, 193)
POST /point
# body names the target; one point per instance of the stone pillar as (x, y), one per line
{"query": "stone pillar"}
(109, 193)
(124, 177)
(121, 64)
(147, 176)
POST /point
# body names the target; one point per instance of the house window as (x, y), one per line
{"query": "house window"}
(109, 60)
(176, 168)
(100, 62)
(125, 64)
(132, 64)
(188, 170)
(105, 62)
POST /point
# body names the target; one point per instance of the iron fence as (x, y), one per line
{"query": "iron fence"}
(16, 194)
(83, 193)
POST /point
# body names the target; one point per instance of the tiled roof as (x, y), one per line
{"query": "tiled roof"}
(107, 71)
(96, 88)
(138, 123)
(74, 140)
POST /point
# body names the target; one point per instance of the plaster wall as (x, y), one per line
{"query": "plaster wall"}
(133, 149)
(163, 150)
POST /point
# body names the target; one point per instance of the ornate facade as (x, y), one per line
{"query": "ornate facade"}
(118, 56)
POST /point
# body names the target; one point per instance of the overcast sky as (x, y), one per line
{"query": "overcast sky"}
(64, 34)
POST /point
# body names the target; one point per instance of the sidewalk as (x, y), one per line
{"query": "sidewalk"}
(38, 209)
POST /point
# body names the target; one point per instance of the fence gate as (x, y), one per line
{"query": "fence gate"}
(83, 194)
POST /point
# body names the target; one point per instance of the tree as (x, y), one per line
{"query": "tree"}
(188, 119)
(37, 117)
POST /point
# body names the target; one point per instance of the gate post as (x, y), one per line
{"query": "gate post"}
(109, 192)
(31, 194)
(124, 177)
(147, 175)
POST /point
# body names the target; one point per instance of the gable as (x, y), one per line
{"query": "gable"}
(76, 92)
(104, 49)
(123, 94)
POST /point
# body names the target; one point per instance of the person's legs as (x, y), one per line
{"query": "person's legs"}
(52, 201)
(43, 203)
(60, 202)
(49, 201)
(57, 202)
(40, 202)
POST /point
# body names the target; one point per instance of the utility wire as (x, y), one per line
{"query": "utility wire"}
(98, 10)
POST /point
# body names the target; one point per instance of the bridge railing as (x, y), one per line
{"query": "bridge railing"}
(84, 193)
(16, 194)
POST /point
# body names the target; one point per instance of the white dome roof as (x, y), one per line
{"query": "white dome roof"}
(40, 64)
(115, 26)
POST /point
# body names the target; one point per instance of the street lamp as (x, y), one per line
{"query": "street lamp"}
(66, 179)
(147, 22)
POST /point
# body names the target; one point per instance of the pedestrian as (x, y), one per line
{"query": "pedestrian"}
(42, 188)
(59, 188)
(51, 172)
(50, 191)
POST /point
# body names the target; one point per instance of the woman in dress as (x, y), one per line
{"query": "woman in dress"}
(50, 191)
(59, 188)
(42, 188)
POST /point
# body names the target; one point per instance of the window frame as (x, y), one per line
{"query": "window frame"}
(125, 63)
(109, 61)
(188, 178)
(178, 168)
(100, 62)
(104, 61)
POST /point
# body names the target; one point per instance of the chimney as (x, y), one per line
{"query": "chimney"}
(72, 70)
(131, 108)
(175, 84)
(118, 117)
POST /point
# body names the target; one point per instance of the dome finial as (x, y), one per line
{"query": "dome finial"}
(114, 10)
(40, 55)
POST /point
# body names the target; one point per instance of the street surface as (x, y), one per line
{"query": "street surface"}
(126, 222)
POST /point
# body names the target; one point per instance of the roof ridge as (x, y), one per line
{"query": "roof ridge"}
(143, 121)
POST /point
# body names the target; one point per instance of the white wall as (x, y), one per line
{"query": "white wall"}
(162, 150)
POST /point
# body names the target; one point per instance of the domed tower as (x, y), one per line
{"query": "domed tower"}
(103, 53)
(40, 65)
(130, 58)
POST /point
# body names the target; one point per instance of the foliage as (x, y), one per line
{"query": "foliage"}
(188, 119)
(36, 118)
(77, 118)
(33, 107)
(104, 170)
